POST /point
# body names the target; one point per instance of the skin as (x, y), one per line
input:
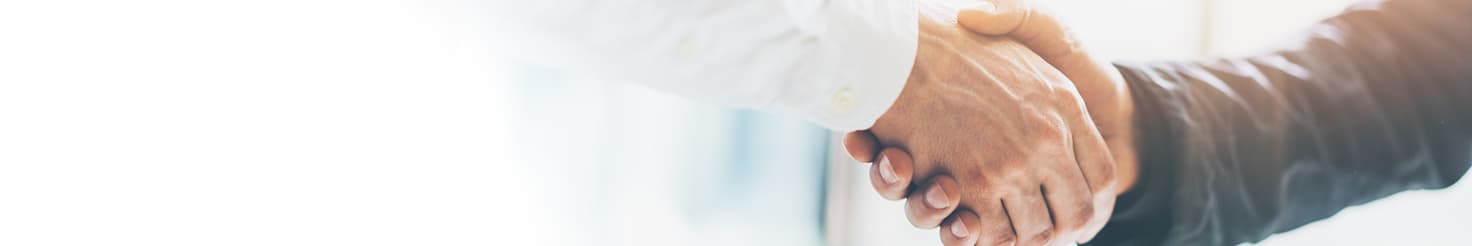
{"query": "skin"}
(1003, 148)
(1071, 214)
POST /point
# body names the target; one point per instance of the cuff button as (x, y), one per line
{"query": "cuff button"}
(843, 100)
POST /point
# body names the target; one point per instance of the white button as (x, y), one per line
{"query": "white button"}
(843, 100)
(688, 48)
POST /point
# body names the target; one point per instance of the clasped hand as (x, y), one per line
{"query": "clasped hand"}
(993, 130)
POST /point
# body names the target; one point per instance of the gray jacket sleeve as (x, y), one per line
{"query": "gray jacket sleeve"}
(1374, 101)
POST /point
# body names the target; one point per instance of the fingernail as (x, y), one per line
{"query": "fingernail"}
(984, 6)
(958, 228)
(886, 171)
(936, 197)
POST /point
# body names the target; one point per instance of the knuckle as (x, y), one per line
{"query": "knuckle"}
(1043, 126)
(1078, 217)
(1005, 239)
(1107, 171)
(1062, 88)
(1046, 132)
(1104, 181)
(1065, 92)
(1070, 100)
(986, 179)
(1042, 237)
(1009, 172)
(980, 176)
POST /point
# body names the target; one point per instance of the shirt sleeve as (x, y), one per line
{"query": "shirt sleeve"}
(840, 64)
(1374, 101)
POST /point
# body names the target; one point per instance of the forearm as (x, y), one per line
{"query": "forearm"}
(809, 59)
(1375, 101)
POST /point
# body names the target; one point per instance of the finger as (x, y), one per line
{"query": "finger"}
(1069, 201)
(1103, 209)
(1093, 155)
(891, 174)
(996, 228)
(1029, 214)
(861, 145)
(1066, 191)
(932, 204)
(1097, 163)
(961, 229)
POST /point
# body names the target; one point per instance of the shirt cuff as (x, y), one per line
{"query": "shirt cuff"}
(873, 45)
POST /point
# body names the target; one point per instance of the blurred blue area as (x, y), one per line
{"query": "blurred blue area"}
(644, 166)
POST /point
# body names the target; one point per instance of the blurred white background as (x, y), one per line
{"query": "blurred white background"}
(393, 122)
(304, 122)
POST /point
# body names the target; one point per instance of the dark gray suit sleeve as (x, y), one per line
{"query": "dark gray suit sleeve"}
(1374, 101)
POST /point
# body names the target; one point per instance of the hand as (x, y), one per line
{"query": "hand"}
(1104, 91)
(1101, 86)
(1003, 135)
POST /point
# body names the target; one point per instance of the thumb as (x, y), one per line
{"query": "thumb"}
(1022, 20)
(861, 145)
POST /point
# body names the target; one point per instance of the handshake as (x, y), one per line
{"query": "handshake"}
(1007, 131)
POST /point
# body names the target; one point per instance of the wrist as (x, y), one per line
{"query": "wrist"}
(888, 128)
(910, 104)
(1126, 151)
(1124, 144)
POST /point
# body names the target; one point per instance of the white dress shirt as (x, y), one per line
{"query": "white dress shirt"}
(840, 63)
